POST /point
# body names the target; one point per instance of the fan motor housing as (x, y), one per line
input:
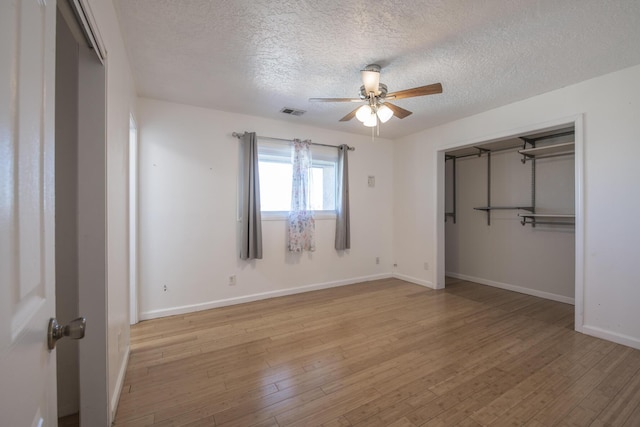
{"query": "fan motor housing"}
(381, 87)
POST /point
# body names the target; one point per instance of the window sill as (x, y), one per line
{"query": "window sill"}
(283, 215)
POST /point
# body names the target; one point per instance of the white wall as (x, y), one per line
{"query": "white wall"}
(611, 151)
(120, 102)
(538, 261)
(188, 213)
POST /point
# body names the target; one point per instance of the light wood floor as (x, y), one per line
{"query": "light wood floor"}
(382, 353)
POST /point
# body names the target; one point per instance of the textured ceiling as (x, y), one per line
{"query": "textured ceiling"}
(258, 56)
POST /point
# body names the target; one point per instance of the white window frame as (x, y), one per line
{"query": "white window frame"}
(321, 156)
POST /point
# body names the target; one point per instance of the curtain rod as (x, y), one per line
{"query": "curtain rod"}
(239, 135)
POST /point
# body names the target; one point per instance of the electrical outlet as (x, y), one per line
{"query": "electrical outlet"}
(377, 260)
(164, 288)
(232, 280)
(371, 181)
(426, 266)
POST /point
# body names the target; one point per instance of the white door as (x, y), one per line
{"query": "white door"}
(27, 68)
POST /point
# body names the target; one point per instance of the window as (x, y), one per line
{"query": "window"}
(274, 161)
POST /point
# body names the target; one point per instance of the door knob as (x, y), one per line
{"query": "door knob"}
(75, 330)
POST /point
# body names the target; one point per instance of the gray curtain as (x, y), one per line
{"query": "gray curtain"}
(251, 233)
(343, 235)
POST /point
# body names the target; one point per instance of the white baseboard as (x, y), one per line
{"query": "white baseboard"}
(415, 280)
(115, 397)
(172, 311)
(515, 288)
(594, 331)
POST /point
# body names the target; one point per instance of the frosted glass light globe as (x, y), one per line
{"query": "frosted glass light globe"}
(363, 113)
(371, 121)
(384, 113)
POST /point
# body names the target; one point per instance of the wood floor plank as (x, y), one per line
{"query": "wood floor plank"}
(380, 353)
(542, 379)
(563, 404)
(385, 403)
(634, 418)
(620, 409)
(338, 422)
(326, 408)
(258, 411)
(402, 422)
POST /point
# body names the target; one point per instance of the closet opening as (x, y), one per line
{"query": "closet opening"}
(510, 213)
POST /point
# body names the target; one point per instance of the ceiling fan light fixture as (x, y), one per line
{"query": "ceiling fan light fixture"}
(363, 113)
(384, 113)
(371, 121)
(375, 94)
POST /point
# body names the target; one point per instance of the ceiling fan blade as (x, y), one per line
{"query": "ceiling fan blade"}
(400, 113)
(349, 116)
(416, 91)
(335, 100)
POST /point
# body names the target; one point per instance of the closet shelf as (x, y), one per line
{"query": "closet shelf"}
(548, 215)
(548, 219)
(493, 208)
(564, 149)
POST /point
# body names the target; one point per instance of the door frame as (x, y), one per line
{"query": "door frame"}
(134, 151)
(91, 212)
(439, 225)
(92, 239)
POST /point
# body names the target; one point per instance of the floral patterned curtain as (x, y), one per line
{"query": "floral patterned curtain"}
(301, 221)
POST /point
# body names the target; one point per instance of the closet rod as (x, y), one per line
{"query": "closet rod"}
(239, 135)
(481, 151)
(528, 140)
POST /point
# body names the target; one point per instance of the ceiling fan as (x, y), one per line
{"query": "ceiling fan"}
(376, 96)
